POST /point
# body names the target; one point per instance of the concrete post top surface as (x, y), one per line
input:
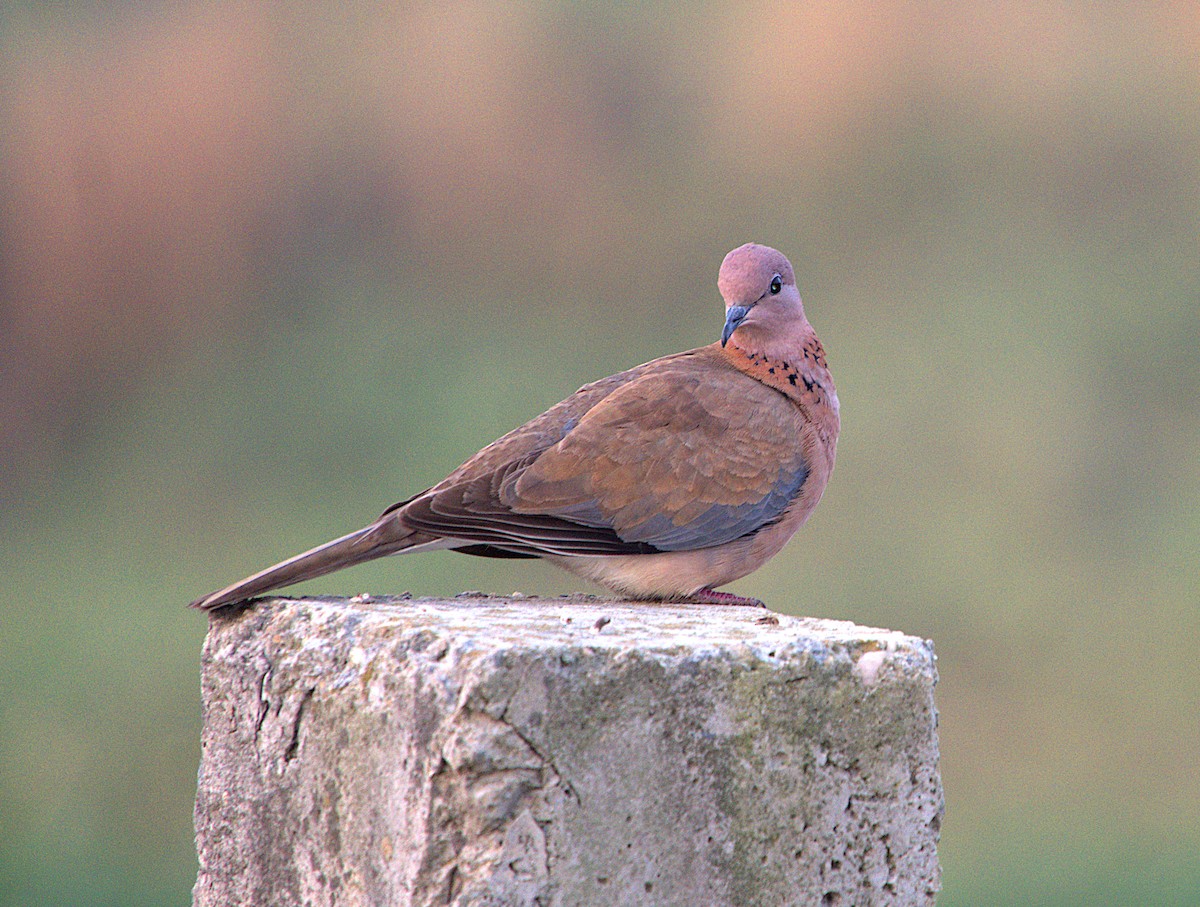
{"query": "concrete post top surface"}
(483, 624)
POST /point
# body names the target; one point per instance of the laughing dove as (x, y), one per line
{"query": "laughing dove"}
(661, 482)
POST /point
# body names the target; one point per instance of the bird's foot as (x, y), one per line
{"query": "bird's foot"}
(712, 597)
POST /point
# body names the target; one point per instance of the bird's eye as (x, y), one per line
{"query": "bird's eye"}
(776, 285)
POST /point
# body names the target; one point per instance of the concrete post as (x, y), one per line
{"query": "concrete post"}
(497, 752)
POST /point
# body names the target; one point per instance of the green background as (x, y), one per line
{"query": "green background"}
(264, 272)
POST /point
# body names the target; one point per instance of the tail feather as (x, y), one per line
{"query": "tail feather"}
(346, 551)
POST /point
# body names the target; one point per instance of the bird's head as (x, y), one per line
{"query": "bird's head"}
(762, 303)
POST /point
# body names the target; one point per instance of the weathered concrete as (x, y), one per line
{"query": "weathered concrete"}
(498, 752)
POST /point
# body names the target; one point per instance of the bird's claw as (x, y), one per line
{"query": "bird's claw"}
(713, 597)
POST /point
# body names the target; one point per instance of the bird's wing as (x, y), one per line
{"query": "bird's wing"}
(683, 453)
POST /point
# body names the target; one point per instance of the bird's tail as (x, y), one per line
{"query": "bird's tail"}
(363, 545)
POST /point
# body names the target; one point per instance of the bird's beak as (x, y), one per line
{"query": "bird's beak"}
(734, 316)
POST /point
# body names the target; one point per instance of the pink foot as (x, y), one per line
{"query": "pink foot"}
(712, 597)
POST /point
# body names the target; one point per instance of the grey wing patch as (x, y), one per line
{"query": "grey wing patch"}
(717, 525)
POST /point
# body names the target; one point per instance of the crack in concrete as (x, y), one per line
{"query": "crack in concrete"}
(294, 744)
(567, 786)
(264, 706)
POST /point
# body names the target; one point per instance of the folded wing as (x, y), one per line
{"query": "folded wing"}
(680, 454)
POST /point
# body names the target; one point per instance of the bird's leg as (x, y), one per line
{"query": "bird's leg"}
(712, 597)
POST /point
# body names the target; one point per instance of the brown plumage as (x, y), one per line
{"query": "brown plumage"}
(661, 482)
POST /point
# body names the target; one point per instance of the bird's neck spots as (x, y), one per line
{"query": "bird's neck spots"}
(803, 375)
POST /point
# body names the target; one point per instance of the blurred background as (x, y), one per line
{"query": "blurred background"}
(265, 270)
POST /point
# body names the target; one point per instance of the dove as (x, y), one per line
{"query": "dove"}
(663, 482)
